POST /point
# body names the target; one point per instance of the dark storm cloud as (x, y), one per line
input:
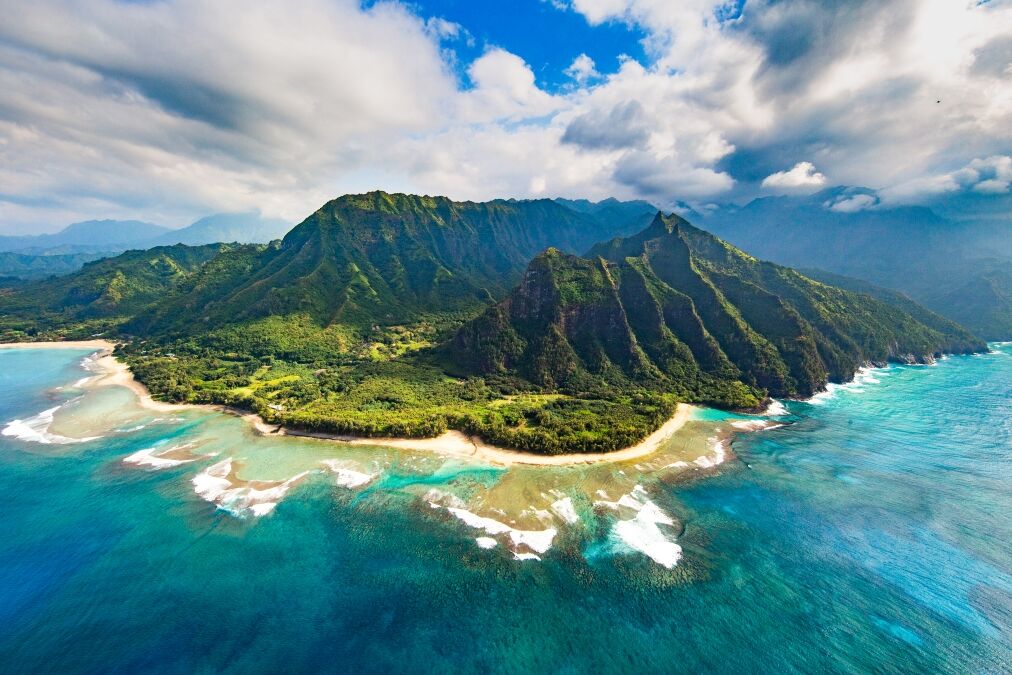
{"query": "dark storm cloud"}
(624, 126)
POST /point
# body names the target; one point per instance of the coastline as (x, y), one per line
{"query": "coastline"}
(457, 444)
(64, 344)
(450, 443)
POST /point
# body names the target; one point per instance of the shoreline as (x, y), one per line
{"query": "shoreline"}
(450, 443)
(458, 444)
(63, 344)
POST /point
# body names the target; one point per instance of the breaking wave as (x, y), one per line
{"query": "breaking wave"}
(35, 429)
(642, 531)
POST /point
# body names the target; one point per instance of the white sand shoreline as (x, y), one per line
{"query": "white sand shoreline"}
(69, 344)
(457, 444)
(450, 443)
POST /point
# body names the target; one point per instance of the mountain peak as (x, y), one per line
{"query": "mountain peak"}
(381, 257)
(677, 309)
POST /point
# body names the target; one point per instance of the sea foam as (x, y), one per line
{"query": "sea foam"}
(776, 409)
(756, 425)
(864, 376)
(564, 509)
(35, 429)
(153, 457)
(535, 541)
(346, 477)
(642, 532)
(213, 484)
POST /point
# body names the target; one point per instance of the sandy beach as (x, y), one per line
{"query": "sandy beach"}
(450, 443)
(76, 344)
(457, 444)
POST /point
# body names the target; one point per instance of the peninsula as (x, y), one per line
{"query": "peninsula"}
(528, 325)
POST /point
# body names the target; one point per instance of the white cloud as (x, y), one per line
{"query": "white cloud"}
(170, 110)
(583, 69)
(802, 177)
(504, 89)
(445, 30)
(855, 82)
(853, 204)
(992, 186)
(986, 175)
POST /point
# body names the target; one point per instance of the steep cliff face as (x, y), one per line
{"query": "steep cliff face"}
(583, 325)
(677, 309)
(381, 258)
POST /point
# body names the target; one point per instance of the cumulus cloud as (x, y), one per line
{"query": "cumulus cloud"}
(984, 175)
(504, 88)
(659, 178)
(853, 85)
(991, 174)
(802, 177)
(173, 109)
(583, 69)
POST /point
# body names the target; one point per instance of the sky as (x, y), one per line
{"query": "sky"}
(168, 110)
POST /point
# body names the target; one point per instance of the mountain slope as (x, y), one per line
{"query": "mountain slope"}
(888, 296)
(29, 266)
(351, 324)
(387, 258)
(675, 308)
(944, 264)
(104, 292)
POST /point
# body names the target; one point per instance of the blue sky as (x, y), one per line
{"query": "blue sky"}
(166, 111)
(546, 37)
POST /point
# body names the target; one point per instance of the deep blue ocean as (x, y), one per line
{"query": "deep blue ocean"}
(871, 534)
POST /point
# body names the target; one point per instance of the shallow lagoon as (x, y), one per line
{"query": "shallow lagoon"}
(870, 533)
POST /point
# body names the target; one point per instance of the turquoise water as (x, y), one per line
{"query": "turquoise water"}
(873, 533)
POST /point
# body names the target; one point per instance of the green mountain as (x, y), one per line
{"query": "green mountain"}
(676, 309)
(35, 266)
(890, 297)
(381, 258)
(102, 294)
(41, 256)
(386, 315)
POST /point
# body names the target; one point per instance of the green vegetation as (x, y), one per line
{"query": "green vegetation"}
(102, 296)
(674, 309)
(375, 317)
(379, 258)
(39, 266)
(410, 397)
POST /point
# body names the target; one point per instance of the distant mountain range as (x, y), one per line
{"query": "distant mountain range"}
(241, 228)
(89, 236)
(40, 256)
(961, 269)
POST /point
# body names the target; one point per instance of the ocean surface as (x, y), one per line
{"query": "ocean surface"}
(867, 530)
